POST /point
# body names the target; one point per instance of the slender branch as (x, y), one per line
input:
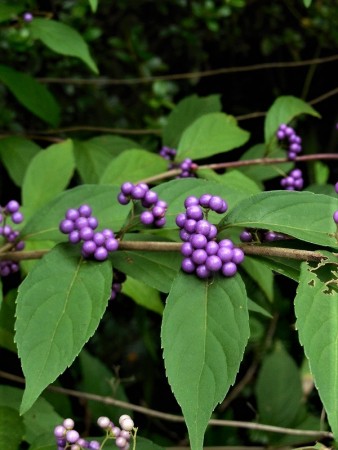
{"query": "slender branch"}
(172, 417)
(99, 129)
(158, 246)
(188, 75)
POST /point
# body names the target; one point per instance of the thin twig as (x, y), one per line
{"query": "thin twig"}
(76, 128)
(189, 75)
(172, 417)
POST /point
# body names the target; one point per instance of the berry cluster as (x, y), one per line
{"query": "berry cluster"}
(187, 166)
(11, 236)
(293, 181)
(248, 235)
(67, 437)
(202, 254)
(118, 279)
(79, 224)
(294, 142)
(335, 214)
(121, 435)
(156, 209)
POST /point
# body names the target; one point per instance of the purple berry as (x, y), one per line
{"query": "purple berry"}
(17, 217)
(204, 200)
(94, 445)
(190, 225)
(111, 244)
(150, 197)
(213, 263)
(216, 203)
(229, 269)
(158, 211)
(99, 238)
(180, 220)
(27, 17)
(212, 248)
(20, 245)
(107, 233)
(160, 222)
(246, 236)
(89, 247)
(122, 199)
(72, 436)
(147, 217)
(72, 214)
(12, 207)
(270, 236)
(101, 254)
(138, 192)
(186, 249)
(238, 255)
(199, 256)
(213, 232)
(60, 431)
(85, 211)
(184, 235)
(74, 237)
(188, 265)
(191, 201)
(225, 254)
(198, 241)
(127, 187)
(226, 243)
(335, 217)
(203, 227)
(202, 271)
(336, 187)
(86, 233)
(81, 222)
(194, 212)
(92, 222)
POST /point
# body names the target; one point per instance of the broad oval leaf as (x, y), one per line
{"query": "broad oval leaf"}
(48, 174)
(185, 113)
(283, 110)
(62, 39)
(316, 308)
(303, 215)
(44, 224)
(31, 94)
(209, 135)
(205, 329)
(16, 154)
(133, 165)
(59, 306)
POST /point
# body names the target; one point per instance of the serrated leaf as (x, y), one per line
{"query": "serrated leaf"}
(316, 308)
(133, 165)
(93, 156)
(283, 110)
(11, 428)
(185, 113)
(44, 224)
(143, 294)
(155, 269)
(97, 379)
(59, 306)
(48, 174)
(41, 418)
(31, 94)
(16, 154)
(209, 135)
(278, 389)
(303, 215)
(205, 329)
(261, 172)
(93, 4)
(62, 39)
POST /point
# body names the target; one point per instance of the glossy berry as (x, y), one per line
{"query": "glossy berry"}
(229, 269)
(246, 236)
(60, 431)
(293, 141)
(335, 217)
(12, 207)
(72, 436)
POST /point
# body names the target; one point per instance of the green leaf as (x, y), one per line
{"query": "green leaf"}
(59, 306)
(145, 444)
(185, 113)
(97, 379)
(174, 192)
(62, 39)
(261, 274)
(93, 4)
(303, 215)
(287, 267)
(133, 165)
(283, 110)
(7, 311)
(11, 428)
(316, 309)
(255, 307)
(41, 418)
(205, 329)
(261, 172)
(48, 174)
(321, 173)
(278, 389)
(155, 269)
(31, 94)
(143, 294)
(16, 154)
(93, 156)
(44, 224)
(8, 12)
(209, 135)
(307, 3)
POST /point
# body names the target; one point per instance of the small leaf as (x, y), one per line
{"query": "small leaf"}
(303, 215)
(11, 428)
(261, 274)
(278, 389)
(93, 4)
(31, 94)
(143, 294)
(307, 3)
(205, 329)
(44, 224)
(62, 39)
(316, 309)
(209, 135)
(283, 110)
(59, 306)
(133, 165)
(16, 154)
(185, 113)
(48, 174)
(93, 156)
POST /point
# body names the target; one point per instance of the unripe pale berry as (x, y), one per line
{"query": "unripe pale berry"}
(127, 424)
(103, 422)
